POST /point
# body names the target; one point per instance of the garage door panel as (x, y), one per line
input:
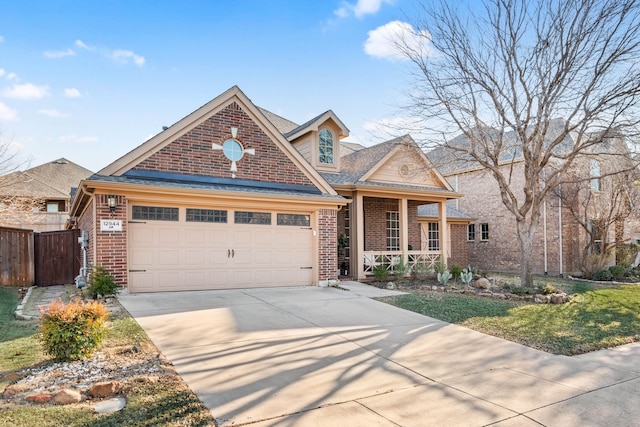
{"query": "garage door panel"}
(194, 255)
(168, 257)
(169, 235)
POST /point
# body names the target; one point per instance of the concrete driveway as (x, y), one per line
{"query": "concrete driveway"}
(328, 357)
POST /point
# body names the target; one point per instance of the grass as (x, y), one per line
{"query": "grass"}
(165, 400)
(594, 319)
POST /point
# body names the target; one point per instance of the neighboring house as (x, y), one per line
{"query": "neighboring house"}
(39, 198)
(235, 196)
(561, 241)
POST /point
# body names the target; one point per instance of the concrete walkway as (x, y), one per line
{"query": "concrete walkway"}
(330, 357)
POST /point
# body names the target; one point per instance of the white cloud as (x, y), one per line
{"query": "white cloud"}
(81, 44)
(360, 8)
(72, 92)
(53, 113)
(382, 42)
(77, 139)
(7, 114)
(59, 53)
(12, 76)
(26, 91)
(124, 56)
(2, 72)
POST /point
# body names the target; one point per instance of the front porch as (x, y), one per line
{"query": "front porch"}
(376, 230)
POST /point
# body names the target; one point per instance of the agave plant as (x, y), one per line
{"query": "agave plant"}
(444, 277)
(466, 276)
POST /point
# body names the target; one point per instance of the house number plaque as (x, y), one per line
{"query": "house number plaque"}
(110, 225)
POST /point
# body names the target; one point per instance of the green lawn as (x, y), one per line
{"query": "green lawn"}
(594, 319)
(165, 401)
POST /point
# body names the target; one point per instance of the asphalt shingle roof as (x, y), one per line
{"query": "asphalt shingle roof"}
(52, 180)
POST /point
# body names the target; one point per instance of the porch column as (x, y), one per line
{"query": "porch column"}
(403, 208)
(444, 230)
(357, 241)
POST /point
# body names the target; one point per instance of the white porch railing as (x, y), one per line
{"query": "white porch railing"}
(372, 259)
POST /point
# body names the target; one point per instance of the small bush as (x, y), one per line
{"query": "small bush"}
(72, 331)
(455, 271)
(380, 272)
(400, 269)
(617, 271)
(102, 283)
(440, 267)
(421, 271)
(466, 275)
(602, 275)
(548, 289)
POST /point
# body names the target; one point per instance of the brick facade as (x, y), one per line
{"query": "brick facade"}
(328, 244)
(501, 252)
(459, 253)
(111, 246)
(375, 222)
(86, 223)
(192, 153)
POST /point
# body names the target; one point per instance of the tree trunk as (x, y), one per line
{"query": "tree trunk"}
(525, 235)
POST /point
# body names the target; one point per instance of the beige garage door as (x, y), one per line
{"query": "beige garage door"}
(173, 249)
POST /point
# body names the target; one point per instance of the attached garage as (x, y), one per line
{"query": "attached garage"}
(181, 248)
(219, 200)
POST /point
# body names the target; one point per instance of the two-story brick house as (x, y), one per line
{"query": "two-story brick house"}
(562, 242)
(235, 196)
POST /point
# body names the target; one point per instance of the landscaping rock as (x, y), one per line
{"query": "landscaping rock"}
(391, 286)
(483, 283)
(11, 377)
(13, 389)
(105, 389)
(66, 396)
(110, 405)
(39, 398)
(542, 299)
(559, 298)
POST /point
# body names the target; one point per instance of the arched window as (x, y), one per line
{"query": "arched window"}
(325, 149)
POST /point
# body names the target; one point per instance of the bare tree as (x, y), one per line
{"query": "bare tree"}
(15, 210)
(498, 76)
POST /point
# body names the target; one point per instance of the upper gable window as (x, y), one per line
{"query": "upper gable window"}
(325, 149)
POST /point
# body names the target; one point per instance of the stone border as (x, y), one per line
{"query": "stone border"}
(19, 310)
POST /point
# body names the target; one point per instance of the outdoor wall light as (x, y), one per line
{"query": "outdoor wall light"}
(112, 202)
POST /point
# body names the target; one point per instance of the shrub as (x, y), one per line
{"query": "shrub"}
(617, 271)
(548, 289)
(72, 331)
(440, 267)
(400, 269)
(455, 271)
(421, 271)
(602, 275)
(102, 283)
(380, 272)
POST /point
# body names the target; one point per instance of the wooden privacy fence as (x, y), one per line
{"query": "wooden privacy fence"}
(17, 267)
(43, 259)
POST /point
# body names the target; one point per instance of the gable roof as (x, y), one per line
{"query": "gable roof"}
(283, 125)
(52, 180)
(359, 165)
(314, 124)
(234, 94)
(449, 161)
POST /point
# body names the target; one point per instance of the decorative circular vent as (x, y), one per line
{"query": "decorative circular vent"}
(404, 171)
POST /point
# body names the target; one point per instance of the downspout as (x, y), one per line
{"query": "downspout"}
(544, 232)
(560, 231)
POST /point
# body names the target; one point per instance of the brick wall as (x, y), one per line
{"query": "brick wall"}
(414, 226)
(86, 223)
(459, 253)
(192, 154)
(328, 244)
(501, 251)
(111, 246)
(375, 222)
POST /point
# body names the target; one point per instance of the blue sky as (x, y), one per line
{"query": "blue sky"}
(92, 80)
